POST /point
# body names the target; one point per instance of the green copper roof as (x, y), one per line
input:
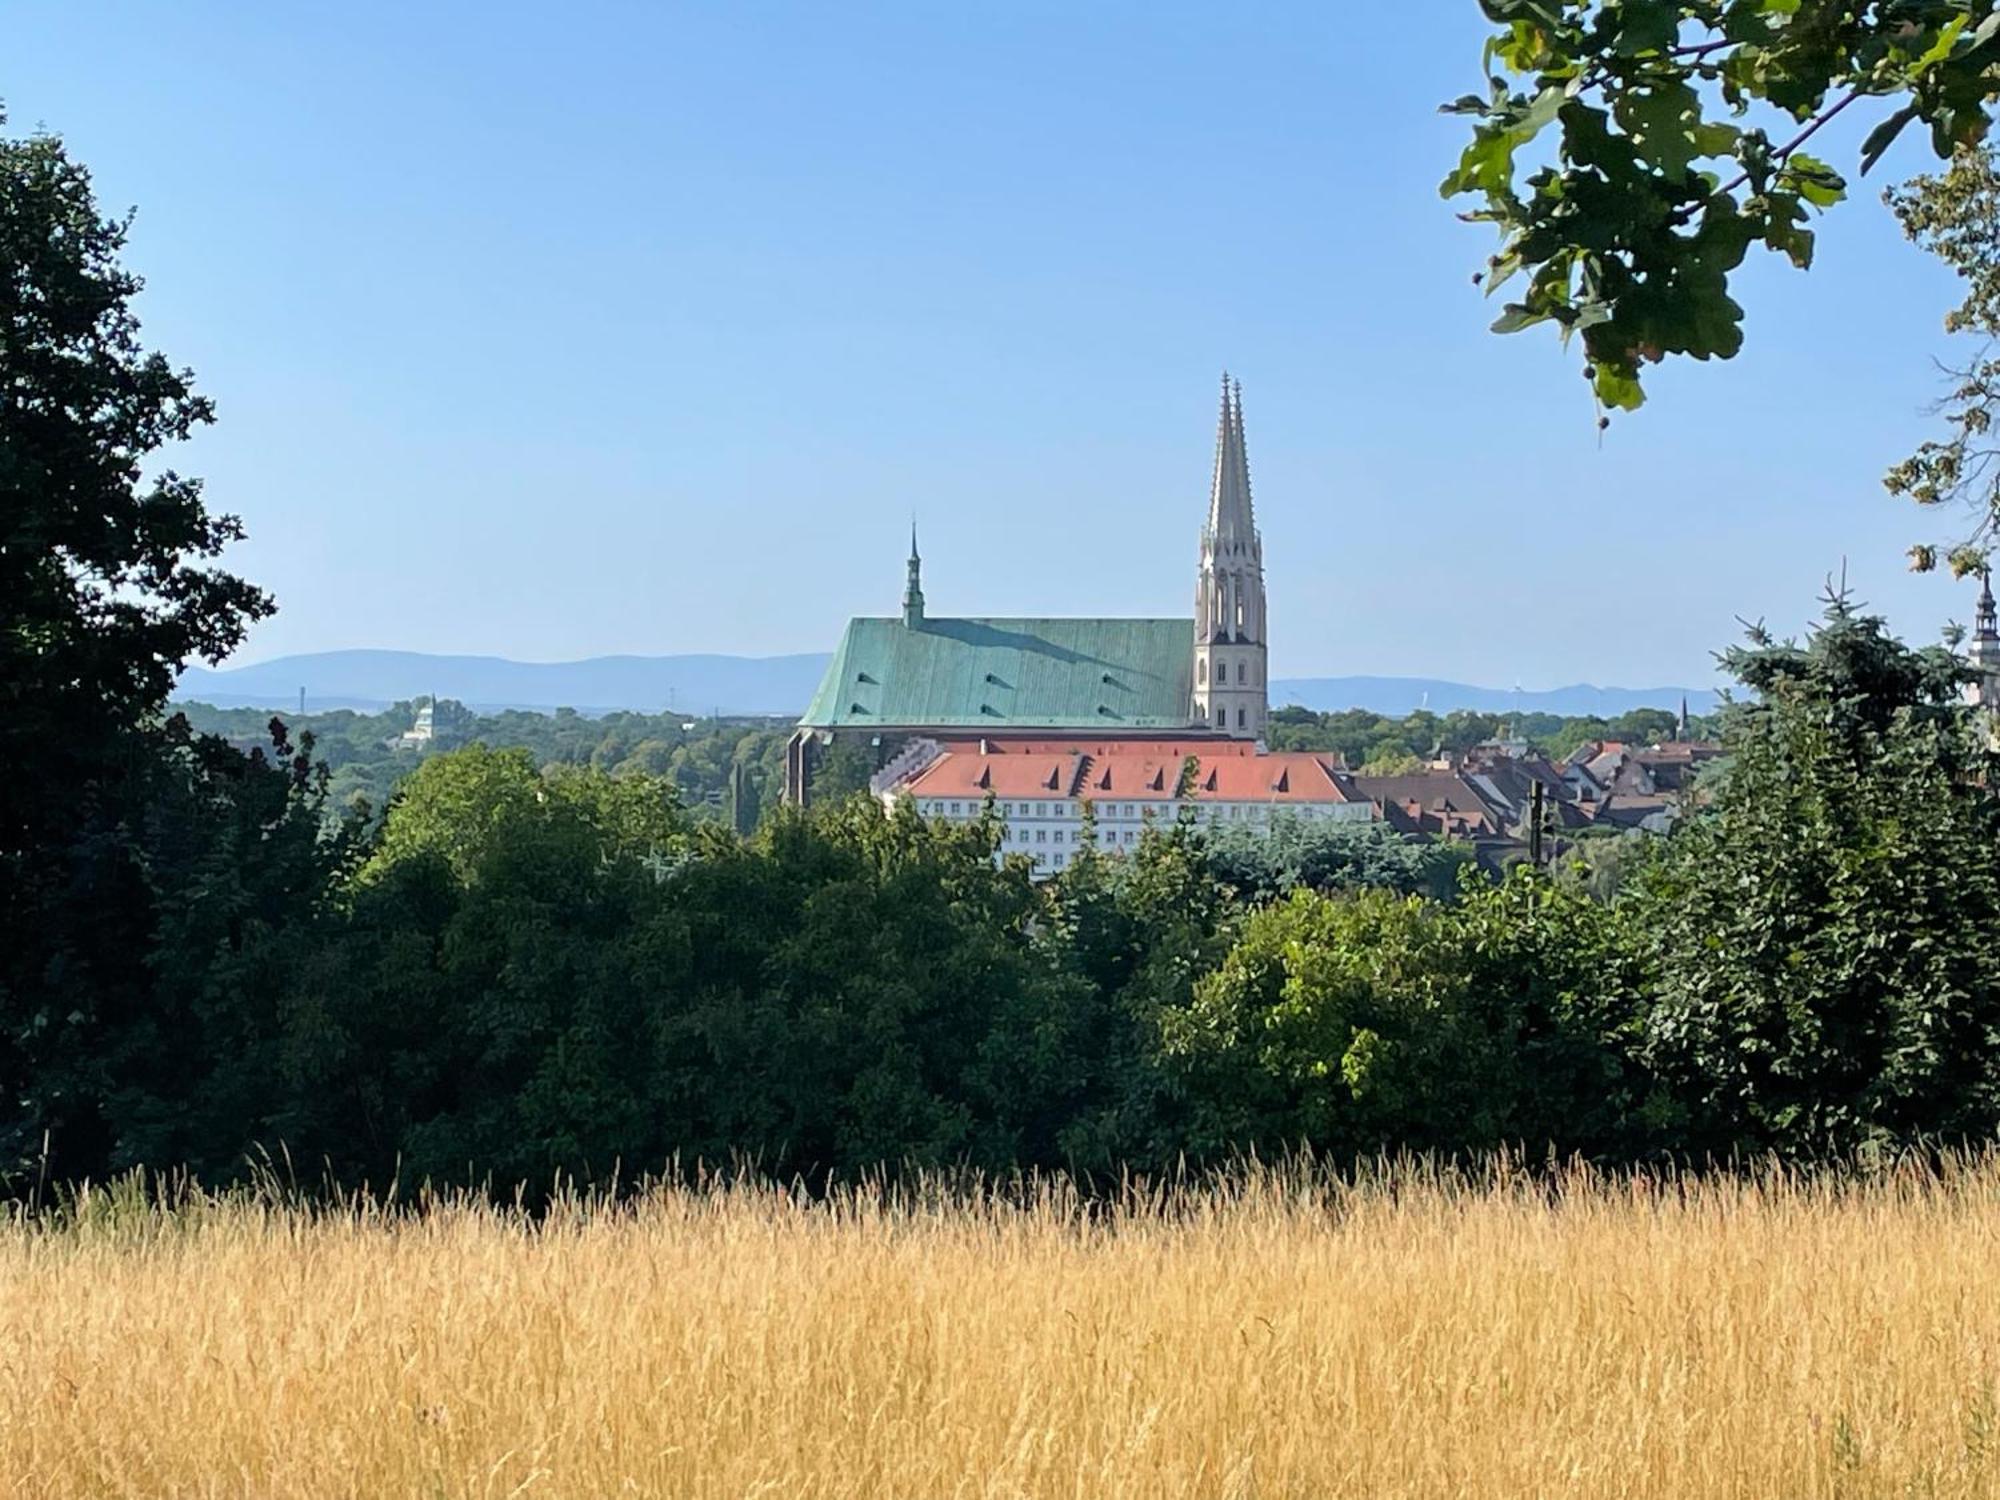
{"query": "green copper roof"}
(997, 674)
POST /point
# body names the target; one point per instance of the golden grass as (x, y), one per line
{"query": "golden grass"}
(1421, 1336)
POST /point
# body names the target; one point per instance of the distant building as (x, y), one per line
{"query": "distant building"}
(1080, 731)
(423, 733)
(1054, 797)
(916, 674)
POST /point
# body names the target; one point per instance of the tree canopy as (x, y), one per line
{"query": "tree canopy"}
(1679, 136)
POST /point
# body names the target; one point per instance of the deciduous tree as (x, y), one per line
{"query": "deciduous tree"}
(1678, 142)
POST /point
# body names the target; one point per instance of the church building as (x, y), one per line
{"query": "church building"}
(915, 676)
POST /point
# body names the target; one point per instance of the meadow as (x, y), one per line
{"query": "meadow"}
(1277, 1335)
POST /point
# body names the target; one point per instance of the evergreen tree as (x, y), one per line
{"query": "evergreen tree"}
(1821, 933)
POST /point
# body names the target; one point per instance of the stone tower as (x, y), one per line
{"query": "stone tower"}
(1983, 654)
(1231, 688)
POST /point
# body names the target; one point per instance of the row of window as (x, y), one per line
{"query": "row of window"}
(1249, 812)
(943, 809)
(1106, 836)
(1243, 673)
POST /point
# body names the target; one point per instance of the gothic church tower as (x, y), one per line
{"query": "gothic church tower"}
(1231, 689)
(1984, 654)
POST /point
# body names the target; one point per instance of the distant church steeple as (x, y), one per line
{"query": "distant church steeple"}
(913, 591)
(1984, 653)
(1231, 688)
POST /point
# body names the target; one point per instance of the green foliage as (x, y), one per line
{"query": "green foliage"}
(1955, 215)
(1601, 865)
(137, 861)
(103, 575)
(1369, 1021)
(1821, 935)
(1293, 853)
(555, 973)
(698, 756)
(1137, 933)
(1624, 229)
(844, 769)
(1379, 742)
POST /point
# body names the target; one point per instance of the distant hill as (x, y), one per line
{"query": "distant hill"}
(376, 679)
(771, 685)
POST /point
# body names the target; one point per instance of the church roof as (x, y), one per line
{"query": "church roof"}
(1280, 779)
(1104, 675)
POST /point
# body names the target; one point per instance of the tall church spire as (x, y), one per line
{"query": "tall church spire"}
(1230, 691)
(1230, 521)
(913, 591)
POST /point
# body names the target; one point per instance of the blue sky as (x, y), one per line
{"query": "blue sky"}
(551, 331)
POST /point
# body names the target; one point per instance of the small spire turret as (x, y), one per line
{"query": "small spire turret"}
(913, 590)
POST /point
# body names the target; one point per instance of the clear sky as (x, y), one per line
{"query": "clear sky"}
(557, 330)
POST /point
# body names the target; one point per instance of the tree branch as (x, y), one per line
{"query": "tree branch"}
(1784, 152)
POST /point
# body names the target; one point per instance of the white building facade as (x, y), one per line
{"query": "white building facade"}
(1051, 803)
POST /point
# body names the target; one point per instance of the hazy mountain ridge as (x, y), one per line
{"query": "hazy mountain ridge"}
(697, 684)
(705, 683)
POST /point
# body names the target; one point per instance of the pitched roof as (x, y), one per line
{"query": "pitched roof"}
(1280, 777)
(1102, 675)
(1442, 797)
(1289, 778)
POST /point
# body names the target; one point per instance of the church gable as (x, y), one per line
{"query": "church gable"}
(996, 673)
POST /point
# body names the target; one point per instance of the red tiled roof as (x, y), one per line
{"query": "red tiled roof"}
(1286, 778)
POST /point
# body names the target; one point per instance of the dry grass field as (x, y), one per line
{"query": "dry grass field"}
(1780, 1337)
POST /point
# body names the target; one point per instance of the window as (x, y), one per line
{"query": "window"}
(1239, 718)
(1241, 668)
(1221, 717)
(1006, 809)
(1058, 837)
(1128, 835)
(1041, 835)
(1059, 860)
(954, 809)
(1128, 809)
(1201, 671)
